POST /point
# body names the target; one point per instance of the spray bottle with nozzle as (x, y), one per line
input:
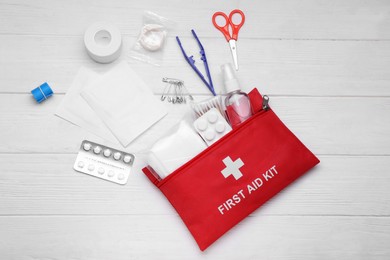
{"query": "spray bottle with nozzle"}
(237, 103)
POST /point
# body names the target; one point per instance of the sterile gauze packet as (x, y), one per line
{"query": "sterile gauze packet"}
(150, 44)
(174, 150)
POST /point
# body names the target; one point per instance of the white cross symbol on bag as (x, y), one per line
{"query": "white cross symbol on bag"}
(232, 168)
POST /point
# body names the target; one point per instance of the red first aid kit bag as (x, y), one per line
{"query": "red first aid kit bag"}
(237, 174)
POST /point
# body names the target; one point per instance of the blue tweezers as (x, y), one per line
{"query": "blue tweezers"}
(191, 61)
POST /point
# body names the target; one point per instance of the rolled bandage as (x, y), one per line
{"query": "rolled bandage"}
(152, 37)
(103, 42)
(42, 92)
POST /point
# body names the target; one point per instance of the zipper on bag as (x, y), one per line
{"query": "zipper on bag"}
(265, 108)
(265, 103)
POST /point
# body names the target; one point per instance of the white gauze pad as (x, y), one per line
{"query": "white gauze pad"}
(171, 152)
(124, 103)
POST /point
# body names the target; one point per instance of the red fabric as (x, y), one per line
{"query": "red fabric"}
(256, 101)
(210, 204)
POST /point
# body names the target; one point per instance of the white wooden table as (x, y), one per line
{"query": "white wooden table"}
(326, 67)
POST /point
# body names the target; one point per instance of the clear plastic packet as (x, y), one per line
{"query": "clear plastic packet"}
(150, 44)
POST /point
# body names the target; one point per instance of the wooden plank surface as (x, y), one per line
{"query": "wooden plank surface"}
(308, 19)
(262, 237)
(276, 67)
(323, 63)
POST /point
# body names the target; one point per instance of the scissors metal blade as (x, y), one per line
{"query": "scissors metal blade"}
(233, 49)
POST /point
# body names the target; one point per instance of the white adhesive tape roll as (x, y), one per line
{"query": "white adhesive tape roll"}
(103, 42)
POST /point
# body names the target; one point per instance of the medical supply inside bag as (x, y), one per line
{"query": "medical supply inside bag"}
(238, 107)
(234, 176)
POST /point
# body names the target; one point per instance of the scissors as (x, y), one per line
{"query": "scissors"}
(232, 39)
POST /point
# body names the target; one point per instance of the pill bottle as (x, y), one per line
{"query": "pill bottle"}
(237, 103)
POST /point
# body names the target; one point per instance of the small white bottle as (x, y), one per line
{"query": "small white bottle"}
(237, 103)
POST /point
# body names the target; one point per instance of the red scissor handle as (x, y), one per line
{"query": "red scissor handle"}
(236, 27)
(224, 29)
(229, 21)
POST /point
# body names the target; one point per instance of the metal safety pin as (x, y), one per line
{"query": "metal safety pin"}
(177, 94)
(165, 92)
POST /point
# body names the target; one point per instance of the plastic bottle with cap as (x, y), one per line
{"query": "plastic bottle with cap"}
(237, 103)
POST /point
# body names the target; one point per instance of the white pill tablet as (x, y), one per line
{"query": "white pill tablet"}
(121, 176)
(87, 146)
(97, 149)
(209, 135)
(100, 170)
(212, 117)
(80, 164)
(201, 124)
(127, 159)
(117, 155)
(220, 127)
(107, 152)
(91, 167)
(111, 174)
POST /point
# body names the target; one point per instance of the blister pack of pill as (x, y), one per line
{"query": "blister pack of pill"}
(104, 162)
(212, 126)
